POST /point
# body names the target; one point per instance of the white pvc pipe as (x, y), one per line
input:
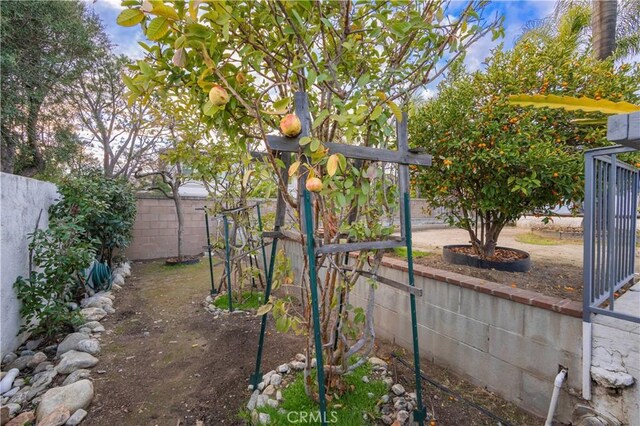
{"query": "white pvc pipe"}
(554, 397)
(586, 360)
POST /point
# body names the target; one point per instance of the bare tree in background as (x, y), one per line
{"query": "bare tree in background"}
(127, 133)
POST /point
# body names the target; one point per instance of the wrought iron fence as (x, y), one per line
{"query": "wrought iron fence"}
(610, 215)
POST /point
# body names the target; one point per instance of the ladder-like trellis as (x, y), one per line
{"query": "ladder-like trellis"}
(404, 157)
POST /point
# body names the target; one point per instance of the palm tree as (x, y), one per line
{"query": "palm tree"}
(603, 27)
(614, 27)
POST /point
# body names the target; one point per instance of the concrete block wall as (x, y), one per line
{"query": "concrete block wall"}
(22, 200)
(155, 232)
(508, 340)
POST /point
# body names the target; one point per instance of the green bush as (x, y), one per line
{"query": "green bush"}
(59, 255)
(106, 208)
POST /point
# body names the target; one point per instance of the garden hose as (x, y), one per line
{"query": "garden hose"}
(99, 277)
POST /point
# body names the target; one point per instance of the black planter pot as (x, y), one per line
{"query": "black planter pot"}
(186, 260)
(519, 265)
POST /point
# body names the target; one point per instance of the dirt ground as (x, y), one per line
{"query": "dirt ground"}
(166, 361)
(556, 269)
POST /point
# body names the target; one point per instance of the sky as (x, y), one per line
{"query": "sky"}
(516, 14)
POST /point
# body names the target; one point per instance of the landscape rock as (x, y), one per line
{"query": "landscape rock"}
(37, 359)
(7, 380)
(117, 280)
(90, 346)
(50, 350)
(76, 375)
(297, 365)
(98, 300)
(276, 379)
(261, 401)
(93, 314)
(43, 366)
(22, 419)
(27, 352)
(20, 397)
(74, 360)
(72, 397)
(40, 383)
(95, 326)
(398, 389)
(402, 416)
(32, 345)
(284, 368)
(11, 392)
(269, 390)
(253, 400)
(9, 357)
(365, 379)
(20, 363)
(300, 358)
(57, 417)
(70, 342)
(264, 418)
(13, 409)
(377, 361)
(272, 403)
(76, 417)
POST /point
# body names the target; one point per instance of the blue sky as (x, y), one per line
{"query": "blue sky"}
(516, 13)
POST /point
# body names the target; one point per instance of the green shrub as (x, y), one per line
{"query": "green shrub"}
(106, 207)
(59, 255)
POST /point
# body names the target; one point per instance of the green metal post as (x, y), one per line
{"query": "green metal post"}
(206, 221)
(255, 377)
(227, 262)
(313, 284)
(264, 254)
(420, 413)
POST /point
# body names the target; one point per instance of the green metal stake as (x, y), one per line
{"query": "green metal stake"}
(227, 263)
(313, 284)
(420, 413)
(255, 377)
(206, 221)
(264, 253)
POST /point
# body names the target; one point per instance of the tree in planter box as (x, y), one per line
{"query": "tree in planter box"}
(494, 162)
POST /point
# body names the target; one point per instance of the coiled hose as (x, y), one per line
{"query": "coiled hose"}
(99, 277)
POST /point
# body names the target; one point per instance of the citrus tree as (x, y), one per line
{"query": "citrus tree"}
(494, 162)
(358, 62)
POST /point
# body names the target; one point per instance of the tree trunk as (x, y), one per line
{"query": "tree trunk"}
(603, 24)
(36, 162)
(177, 199)
(8, 153)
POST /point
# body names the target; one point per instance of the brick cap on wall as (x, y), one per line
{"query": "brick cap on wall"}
(563, 306)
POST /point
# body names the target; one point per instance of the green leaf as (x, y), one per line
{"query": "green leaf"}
(130, 17)
(282, 104)
(332, 165)
(166, 11)
(304, 140)
(376, 112)
(158, 28)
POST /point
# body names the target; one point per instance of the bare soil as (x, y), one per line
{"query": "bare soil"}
(450, 408)
(166, 361)
(189, 367)
(552, 279)
(500, 254)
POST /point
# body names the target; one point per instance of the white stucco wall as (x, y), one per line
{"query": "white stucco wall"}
(21, 201)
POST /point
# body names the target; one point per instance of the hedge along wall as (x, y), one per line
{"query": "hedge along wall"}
(22, 200)
(155, 232)
(509, 340)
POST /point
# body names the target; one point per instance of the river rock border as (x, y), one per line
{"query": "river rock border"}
(51, 385)
(396, 407)
(219, 312)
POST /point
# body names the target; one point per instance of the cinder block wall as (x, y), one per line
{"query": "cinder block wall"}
(155, 232)
(23, 200)
(509, 340)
